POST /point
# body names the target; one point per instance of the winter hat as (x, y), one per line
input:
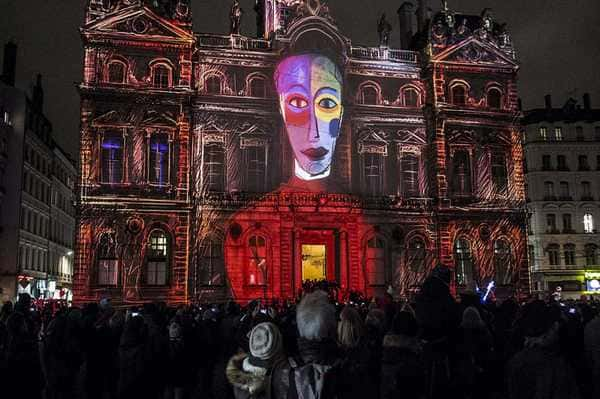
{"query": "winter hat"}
(174, 331)
(265, 344)
(471, 318)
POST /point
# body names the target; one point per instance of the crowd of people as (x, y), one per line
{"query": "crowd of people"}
(435, 346)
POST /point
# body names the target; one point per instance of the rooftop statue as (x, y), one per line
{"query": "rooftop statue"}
(383, 29)
(235, 18)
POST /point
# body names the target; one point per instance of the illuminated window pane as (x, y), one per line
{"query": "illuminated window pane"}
(112, 159)
(107, 269)
(159, 160)
(558, 133)
(463, 262)
(257, 261)
(157, 258)
(543, 133)
(588, 223)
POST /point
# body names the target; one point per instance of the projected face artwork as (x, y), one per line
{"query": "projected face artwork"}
(310, 97)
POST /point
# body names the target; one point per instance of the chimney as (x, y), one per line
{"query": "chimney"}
(405, 15)
(548, 99)
(10, 63)
(38, 94)
(587, 102)
(422, 14)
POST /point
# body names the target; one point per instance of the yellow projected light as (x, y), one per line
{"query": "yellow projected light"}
(313, 262)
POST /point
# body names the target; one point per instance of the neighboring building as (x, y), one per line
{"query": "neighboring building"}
(29, 179)
(189, 184)
(562, 152)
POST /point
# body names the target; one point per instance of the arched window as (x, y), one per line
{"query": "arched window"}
(111, 158)
(463, 262)
(375, 258)
(212, 84)
(161, 76)
(257, 261)
(588, 223)
(502, 262)
(214, 167)
(553, 254)
(117, 72)
(591, 254)
(212, 263)
(494, 98)
(415, 255)
(409, 163)
(158, 159)
(569, 254)
(369, 95)
(258, 87)
(108, 263)
(461, 170)
(411, 97)
(459, 94)
(157, 258)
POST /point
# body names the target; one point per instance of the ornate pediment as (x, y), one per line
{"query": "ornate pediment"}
(111, 118)
(138, 21)
(373, 142)
(153, 118)
(473, 51)
(412, 136)
(460, 136)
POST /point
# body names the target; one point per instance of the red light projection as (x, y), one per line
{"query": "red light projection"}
(217, 167)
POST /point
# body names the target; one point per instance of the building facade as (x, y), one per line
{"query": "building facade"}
(30, 179)
(195, 186)
(562, 152)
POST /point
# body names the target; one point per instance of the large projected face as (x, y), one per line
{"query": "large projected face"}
(310, 98)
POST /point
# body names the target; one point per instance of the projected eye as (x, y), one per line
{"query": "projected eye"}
(327, 103)
(298, 102)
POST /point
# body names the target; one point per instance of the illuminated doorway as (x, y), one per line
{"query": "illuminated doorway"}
(314, 262)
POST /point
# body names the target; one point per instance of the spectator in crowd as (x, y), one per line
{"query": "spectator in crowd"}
(250, 374)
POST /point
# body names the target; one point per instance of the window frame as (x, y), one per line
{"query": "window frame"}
(159, 65)
(369, 85)
(151, 258)
(109, 258)
(463, 258)
(118, 136)
(215, 267)
(374, 257)
(149, 151)
(125, 69)
(262, 276)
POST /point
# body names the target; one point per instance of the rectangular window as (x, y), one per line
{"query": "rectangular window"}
(579, 133)
(567, 225)
(569, 254)
(553, 255)
(551, 223)
(558, 133)
(543, 133)
(255, 168)
(564, 191)
(373, 173)
(257, 261)
(562, 163)
(586, 191)
(112, 159)
(583, 163)
(156, 273)
(499, 174)
(214, 166)
(546, 162)
(212, 266)
(376, 261)
(107, 272)
(410, 175)
(158, 160)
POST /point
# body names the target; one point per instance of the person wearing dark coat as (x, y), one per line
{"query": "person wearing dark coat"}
(473, 347)
(315, 372)
(592, 353)
(251, 374)
(540, 371)
(133, 358)
(402, 367)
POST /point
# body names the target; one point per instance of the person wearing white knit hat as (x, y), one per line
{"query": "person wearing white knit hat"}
(250, 374)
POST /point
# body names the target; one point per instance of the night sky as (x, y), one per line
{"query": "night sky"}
(557, 43)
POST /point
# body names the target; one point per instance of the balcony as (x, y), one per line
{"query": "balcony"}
(565, 198)
(383, 54)
(587, 198)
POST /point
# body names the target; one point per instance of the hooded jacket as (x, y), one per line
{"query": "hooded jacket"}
(248, 381)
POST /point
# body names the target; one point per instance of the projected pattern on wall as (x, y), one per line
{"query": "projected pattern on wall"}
(219, 166)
